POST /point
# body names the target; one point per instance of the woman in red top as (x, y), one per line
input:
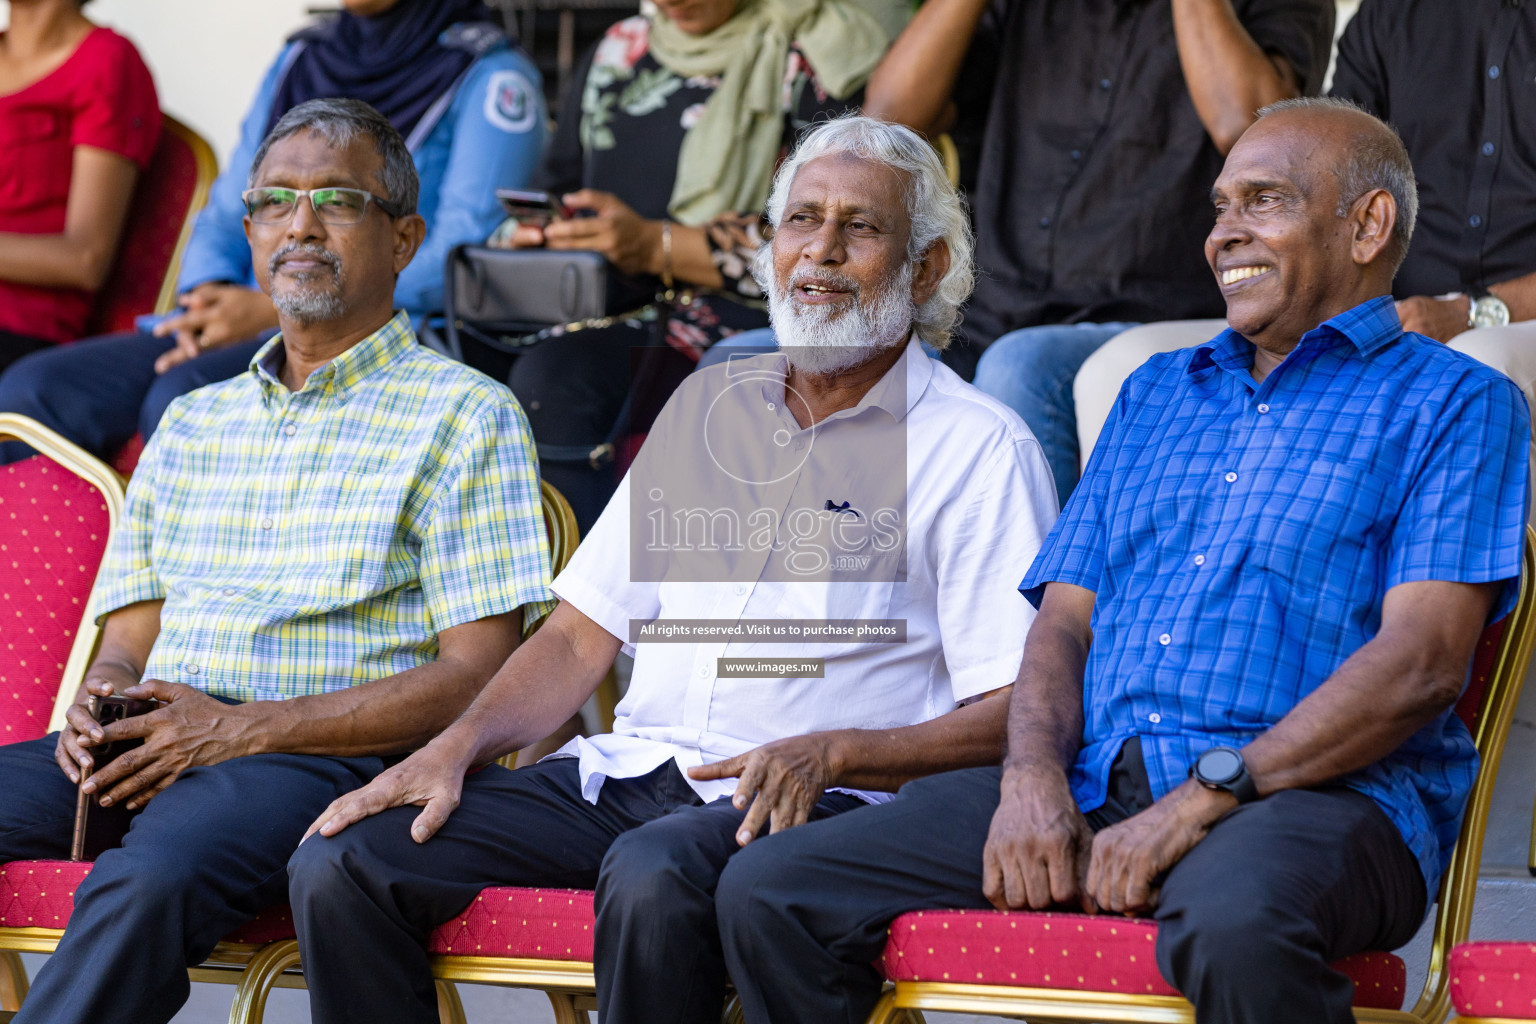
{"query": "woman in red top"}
(78, 121)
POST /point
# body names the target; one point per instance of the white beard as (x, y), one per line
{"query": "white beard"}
(826, 339)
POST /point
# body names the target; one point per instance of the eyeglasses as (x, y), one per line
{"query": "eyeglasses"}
(336, 206)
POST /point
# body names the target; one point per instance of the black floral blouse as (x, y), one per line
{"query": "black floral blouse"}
(621, 132)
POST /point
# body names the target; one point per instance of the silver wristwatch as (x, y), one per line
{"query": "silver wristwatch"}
(1487, 311)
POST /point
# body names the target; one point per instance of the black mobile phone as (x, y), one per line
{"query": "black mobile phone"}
(105, 710)
(532, 206)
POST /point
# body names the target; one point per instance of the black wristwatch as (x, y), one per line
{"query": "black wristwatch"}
(1223, 768)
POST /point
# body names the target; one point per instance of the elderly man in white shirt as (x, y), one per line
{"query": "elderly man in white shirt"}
(815, 563)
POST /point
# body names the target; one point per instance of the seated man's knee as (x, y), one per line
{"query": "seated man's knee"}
(1019, 351)
(646, 869)
(152, 875)
(741, 898)
(25, 383)
(322, 866)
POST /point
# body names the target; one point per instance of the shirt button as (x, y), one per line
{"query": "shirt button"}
(1105, 83)
(1165, 639)
(1154, 718)
(1487, 149)
(229, 591)
(266, 524)
(1493, 71)
(703, 671)
(799, 446)
(741, 588)
(1077, 154)
(290, 430)
(1199, 559)
(771, 407)
(192, 669)
(1263, 408)
(1231, 478)
(1045, 222)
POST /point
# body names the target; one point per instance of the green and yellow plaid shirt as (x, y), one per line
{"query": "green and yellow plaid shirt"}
(309, 541)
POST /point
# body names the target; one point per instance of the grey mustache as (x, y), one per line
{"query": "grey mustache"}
(313, 251)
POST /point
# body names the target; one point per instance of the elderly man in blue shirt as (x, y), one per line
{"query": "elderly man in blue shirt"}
(1234, 711)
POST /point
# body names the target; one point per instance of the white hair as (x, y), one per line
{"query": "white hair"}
(934, 207)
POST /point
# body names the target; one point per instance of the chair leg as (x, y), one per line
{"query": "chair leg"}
(450, 1008)
(885, 1011)
(13, 981)
(565, 1009)
(257, 979)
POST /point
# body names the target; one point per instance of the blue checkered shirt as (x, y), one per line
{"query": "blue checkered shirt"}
(1240, 536)
(312, 540)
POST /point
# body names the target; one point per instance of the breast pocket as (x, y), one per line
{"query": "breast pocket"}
(38, 157)
(1326, 524)
(357, 538)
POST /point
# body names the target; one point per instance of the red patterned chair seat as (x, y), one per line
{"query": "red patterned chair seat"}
(533, 924)
(1071, 951)
(1494, 979)
(41, 894)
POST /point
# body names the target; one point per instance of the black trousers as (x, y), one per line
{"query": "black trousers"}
(200, 859)
(366, 900)
(1248, 921)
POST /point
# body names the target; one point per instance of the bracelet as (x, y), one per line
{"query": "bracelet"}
(666, 253)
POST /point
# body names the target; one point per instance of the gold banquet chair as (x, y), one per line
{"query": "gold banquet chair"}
(36, 897)
(58, 511)
(465, 949)
(1102, 968)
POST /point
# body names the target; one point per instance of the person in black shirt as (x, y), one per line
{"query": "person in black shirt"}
(1457, 78)
(1101, 126)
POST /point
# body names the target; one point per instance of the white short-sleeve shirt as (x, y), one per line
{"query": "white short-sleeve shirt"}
(938, 545)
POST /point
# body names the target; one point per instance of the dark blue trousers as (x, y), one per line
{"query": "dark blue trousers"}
(1248, 921)
(365, 901)
(100, 392)
(200, 859)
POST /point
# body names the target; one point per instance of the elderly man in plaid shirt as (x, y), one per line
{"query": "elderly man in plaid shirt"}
(322, 561)
(1234, 711)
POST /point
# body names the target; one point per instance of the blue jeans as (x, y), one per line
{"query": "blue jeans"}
(1031, 371)
(100, 392)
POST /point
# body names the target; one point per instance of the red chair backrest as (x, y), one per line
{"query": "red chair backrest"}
(1470, 707)
(53, 534)
(170, 191)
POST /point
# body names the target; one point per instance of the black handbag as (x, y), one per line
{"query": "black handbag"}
(508, 299)
(504, 297)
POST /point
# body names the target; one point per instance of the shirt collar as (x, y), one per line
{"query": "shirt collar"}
(895, 392)
(1368, 326)
(344, 374)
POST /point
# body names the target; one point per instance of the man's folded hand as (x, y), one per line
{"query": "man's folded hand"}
(191, 729)
(778, 784)
(432, 779)
(1038, 845)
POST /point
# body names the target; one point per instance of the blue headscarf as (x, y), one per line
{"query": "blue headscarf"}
(392, 61)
